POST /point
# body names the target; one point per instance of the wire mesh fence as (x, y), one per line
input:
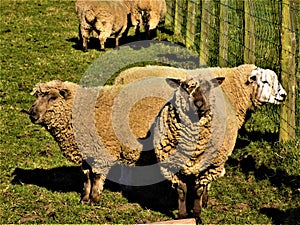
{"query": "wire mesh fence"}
(233, 32)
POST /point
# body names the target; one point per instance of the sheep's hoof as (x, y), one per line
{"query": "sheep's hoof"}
(182, 215)
(85, 50)
(85, 201)
(198, 220)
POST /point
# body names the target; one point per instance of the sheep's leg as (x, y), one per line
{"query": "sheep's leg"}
(198, 203)
(85, 196)
(205, 196)
(182, 189)
(135, 21)
(85, 38)
(148, 32)
(152, 25)
(79, 33)
(119, 35)
(97, 188)
(102, 43)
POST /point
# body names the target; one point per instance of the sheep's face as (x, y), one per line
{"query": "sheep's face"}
(197, 101)
(266, 86)
(49, 101)
(193, 95)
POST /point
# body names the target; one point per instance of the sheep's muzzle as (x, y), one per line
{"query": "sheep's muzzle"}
(34, 115)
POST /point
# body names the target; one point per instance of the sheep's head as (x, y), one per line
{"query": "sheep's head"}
(266, 87)
(52, 98)
(194, 95)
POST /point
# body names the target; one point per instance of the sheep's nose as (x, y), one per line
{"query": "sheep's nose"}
(33, 115)
(283, 95)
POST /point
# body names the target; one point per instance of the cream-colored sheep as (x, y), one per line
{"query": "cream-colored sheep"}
(148, 13)
(246, 86)
(54, 109)
(104, 18)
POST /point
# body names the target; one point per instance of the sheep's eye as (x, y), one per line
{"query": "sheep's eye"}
(265, 82)
(53, 97)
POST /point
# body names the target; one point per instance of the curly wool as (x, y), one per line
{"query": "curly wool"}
(57, 120)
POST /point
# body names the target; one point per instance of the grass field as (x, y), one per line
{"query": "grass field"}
(38, 185)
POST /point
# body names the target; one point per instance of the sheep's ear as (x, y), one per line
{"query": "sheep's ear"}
(252, 79)
(173, 83)
(217, 81)
(65, 93)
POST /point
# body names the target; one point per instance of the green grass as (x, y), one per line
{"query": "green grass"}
(38, 185)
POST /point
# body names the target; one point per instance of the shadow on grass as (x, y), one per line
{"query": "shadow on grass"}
(158, 197)
(290, 216)
(248, 164)
(94, 43)
(246, 137)
(278, 177)
(62, 179)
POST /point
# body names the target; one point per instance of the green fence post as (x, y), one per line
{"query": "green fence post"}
(223, 34)
(249, 39)
(177, 17)
(204, 36)
(169, 14)
(288, 68)
(190, 26)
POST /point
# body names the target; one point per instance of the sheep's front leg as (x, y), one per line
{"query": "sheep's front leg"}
(97, 188)
(199, 191)
(85, 196)
(182, 189)
(102, 38)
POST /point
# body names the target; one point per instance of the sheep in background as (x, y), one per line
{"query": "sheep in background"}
(147, 13)
(104, 18)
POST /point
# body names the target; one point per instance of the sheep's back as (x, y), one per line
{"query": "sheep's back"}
(137, 73)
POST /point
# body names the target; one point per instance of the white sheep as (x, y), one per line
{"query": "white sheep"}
(147, 13)
(104, 18)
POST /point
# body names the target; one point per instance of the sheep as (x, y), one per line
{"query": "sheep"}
(147, 13)
(245, 87)
(104, 18)
(183, 142)
(54, 110)
(248, 80)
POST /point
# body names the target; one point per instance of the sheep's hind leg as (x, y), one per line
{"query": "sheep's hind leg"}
(182, 189)
(199, 192)
(205, 196)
